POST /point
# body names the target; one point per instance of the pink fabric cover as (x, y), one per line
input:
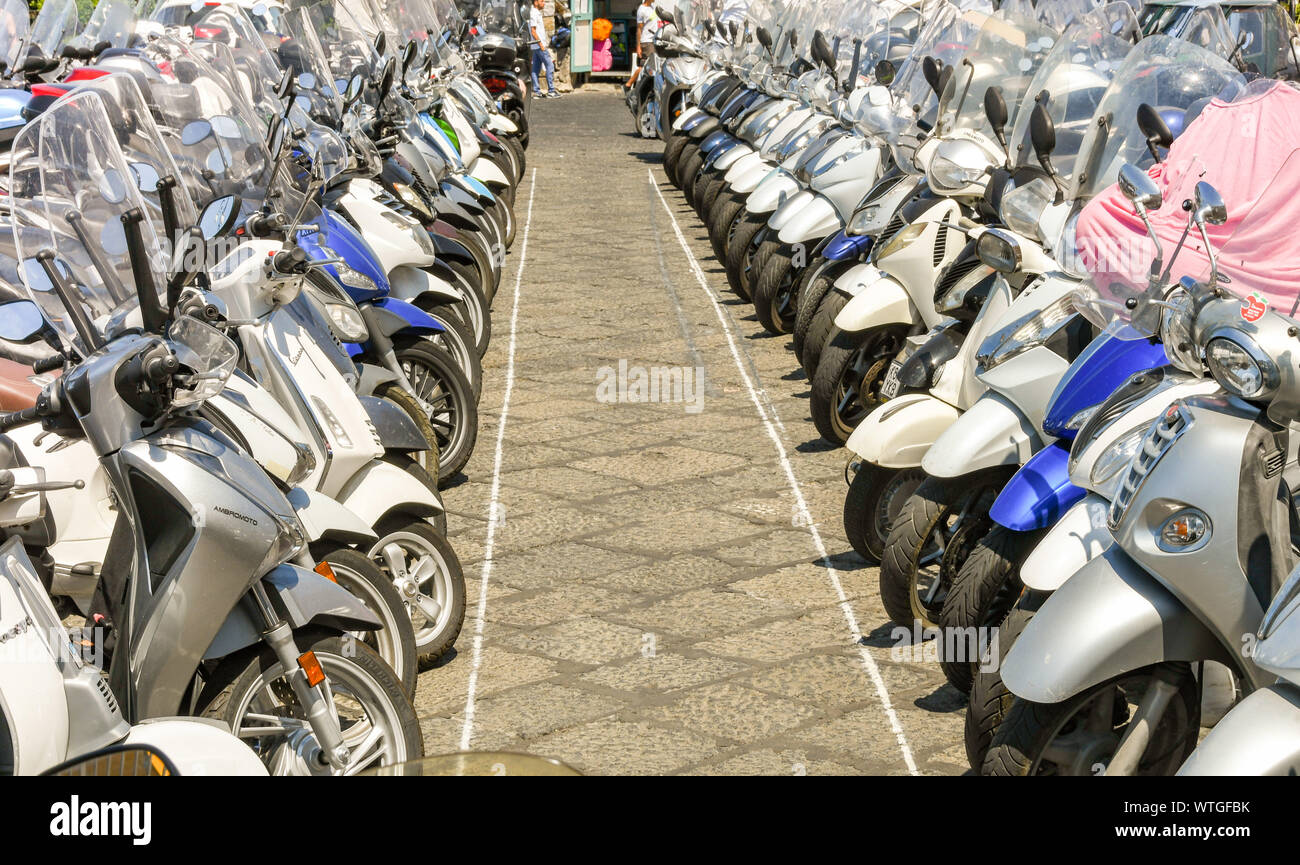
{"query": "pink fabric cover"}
(1244, 150)
(602, 56)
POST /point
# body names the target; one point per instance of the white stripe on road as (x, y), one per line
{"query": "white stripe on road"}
(768, 414)
(467, 732)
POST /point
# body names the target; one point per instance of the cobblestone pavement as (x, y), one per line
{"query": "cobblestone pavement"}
(656, 601)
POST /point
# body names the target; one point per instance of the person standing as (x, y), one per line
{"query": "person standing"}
(647, 24)
(541, 54)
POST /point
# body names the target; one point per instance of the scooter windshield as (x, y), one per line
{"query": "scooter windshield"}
(59, 21)
(1005, 54)
(15, 27)
(70, 187)
(257, 72)
(218, 145)
(1171, 75)
(112, 23)
(302, 54)
(1074, 77)
(1056, 14)
(348, 50)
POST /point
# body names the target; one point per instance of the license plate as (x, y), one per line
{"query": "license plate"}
(889, 387)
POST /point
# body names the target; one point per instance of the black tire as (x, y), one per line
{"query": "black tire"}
(814, 284)
(448, 398)
(850, 371)
(714, 183)
(429, 460)
(474, 310)
(1018, 748)
(820, 330)
(919, 536)
(433, 638)
(721, 218)
(689, 149)
(690, 170)
(753, 262)
(982, 593)
(747, 225)
(349, 665)
(774, 288)
(395, 642)
(458, 341)
(874, 498)
(990, 698)
(672, 152)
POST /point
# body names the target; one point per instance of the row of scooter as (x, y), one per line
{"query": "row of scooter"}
(1034, 263)
(246, 272)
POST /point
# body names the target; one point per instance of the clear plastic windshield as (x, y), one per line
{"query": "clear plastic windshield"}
(348, 50)
(256, 71)
(1005, 54)
(112, 23)
(859, 20)
(1075, 76)
(58, 22)
(1171, 75)
(218, 145)
(1203, 26)
(1057, 14)
(15, 27)
(70, 193)
(501, 16)
(301, 53)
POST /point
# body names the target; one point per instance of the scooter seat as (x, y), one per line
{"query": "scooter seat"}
(16, 392)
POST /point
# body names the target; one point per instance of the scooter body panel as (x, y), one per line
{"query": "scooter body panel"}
(747, 173)
(898, 433)
(379, 489)
(730, 154)
(993, 432)
(1259, 736)
(877, 299)
(197, 748)
(816, 219)
(778, 187)
(1109, 618)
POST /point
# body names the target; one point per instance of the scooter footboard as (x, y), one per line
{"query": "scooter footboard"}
(1110, 617)
(1260, 736)
(897, 434)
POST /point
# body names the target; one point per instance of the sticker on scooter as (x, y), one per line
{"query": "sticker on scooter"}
(1254, 307)
(890, 386)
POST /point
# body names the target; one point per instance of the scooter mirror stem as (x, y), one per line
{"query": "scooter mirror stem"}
(151, 311)
(71, 302)
(106, 273)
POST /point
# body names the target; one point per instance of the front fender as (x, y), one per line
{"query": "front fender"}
(815, 220)
(1077, 538)
(417, 286)
(1110, 617)
(397, 432)
(706, 127)
(876, 299)
(789, 208)
(324, 519)
(488, 173)
(715, 140)
(898, 433)
(403, 317)
(1260, 736)
(1040, 493)
(730, 154)
(772, 192)
(379, 489)
(845, 247)
(694, 114)
(992, 432)
(748, 172)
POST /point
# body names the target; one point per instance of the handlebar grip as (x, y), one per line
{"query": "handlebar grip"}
(11, 419)
(49, 364)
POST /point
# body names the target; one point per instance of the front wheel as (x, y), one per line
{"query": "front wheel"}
(875, 497)
(850, 372)
(395, 641)
(1079, 736)
(251, 694)
(990, 698)
(428, 576)
(448, 400)
(647, 119)
(774, 288)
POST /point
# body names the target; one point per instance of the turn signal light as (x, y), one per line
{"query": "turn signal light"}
(1184, 529)
(327, 572)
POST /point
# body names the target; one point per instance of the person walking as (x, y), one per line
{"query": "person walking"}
(647, 24)
(541, 42)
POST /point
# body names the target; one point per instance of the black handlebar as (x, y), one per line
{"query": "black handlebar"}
(49, 364)
(11, 419)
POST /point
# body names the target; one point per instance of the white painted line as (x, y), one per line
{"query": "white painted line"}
(476, 661)
(768, 414)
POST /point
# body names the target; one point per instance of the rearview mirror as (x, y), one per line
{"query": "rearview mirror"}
(995, 108)
(665, 15)
(930, 70)
(356, 84)
(764, 38)
(1209, 205)
(387, 77)
(821, 50)
(408, 55)
(1153, 126)
(1042, 131)
(885, 73)
(381, 43)
(21, 321)
(119, 761)
(1138, 187)
(218, 216)
(286, 84)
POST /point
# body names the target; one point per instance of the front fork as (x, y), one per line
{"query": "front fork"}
(1165, 681)
(318, 707)
(382, 346)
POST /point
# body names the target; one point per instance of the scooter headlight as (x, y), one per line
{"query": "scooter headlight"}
(288, 543)
(902, 239)
(1025, 334)
(1022, 208)
(957, 164)
(412, 200)
(302, 467)
(1236, 362)
(870, 220)
(354, 278)
(348, 324)
(1106, 471)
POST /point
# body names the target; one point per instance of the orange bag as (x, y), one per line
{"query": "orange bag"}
(601, 28)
